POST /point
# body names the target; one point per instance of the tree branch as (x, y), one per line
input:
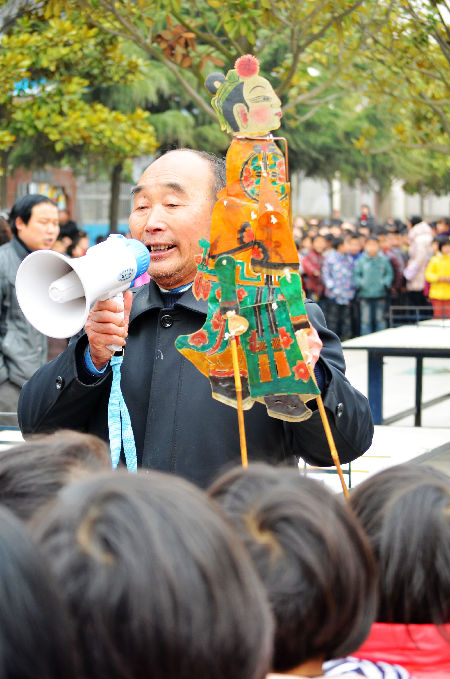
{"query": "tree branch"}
(311, 112)
(438, 148)
(335, 19)
(302, 46)
(291, 73)
(315, 92)
(152, 51)
(207, 38)
(278, 16)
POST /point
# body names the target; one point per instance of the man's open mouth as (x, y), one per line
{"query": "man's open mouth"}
(159, 248)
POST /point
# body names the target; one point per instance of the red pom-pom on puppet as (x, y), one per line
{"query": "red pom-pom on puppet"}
(247, 66)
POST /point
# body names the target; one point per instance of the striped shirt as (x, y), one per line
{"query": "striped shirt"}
(364, 668)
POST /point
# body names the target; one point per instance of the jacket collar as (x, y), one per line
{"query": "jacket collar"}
(148, 297)
(19, 247)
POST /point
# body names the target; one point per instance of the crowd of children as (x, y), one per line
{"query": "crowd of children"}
(360, 272)
(110, 575)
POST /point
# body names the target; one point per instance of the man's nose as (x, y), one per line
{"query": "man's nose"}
(153, 226)
(154, 220)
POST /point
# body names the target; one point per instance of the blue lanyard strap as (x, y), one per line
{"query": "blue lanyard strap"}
(119, 423)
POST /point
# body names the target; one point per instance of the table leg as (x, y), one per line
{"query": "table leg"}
(419, 375)
(375, 386)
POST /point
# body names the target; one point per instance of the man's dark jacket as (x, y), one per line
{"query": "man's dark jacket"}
(178, 426)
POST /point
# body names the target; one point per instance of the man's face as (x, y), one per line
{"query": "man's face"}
(172, 208)
(42, 229)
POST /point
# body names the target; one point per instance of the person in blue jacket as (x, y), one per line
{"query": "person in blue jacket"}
(373, 278)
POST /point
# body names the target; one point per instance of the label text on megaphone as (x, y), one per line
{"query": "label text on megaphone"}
(126, 274)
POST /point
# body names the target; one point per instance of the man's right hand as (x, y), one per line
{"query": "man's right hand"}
(105, 326)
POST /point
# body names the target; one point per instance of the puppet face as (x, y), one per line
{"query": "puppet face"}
(263, 110)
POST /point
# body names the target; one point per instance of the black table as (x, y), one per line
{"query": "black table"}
(427, 339)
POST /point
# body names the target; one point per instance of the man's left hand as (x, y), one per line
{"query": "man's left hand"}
(310, 345)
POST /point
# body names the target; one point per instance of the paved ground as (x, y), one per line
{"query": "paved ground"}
(439, 458)
(402, 442)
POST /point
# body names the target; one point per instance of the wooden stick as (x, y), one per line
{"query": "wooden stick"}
(329, 435)
(323, 414)
(240, 409)
(333, 451)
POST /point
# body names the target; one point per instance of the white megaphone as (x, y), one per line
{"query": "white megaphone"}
(55, 293)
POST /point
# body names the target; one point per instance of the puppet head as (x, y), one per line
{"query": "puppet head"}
(245, 102)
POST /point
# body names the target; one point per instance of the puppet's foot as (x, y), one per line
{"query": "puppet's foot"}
(287, 407)
(224, 390)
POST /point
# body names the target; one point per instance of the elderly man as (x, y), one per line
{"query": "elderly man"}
(177, 426)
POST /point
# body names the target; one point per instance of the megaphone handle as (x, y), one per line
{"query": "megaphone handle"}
(119, 299)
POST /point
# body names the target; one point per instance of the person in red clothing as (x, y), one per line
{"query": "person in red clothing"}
(404, 511)
(312, 269)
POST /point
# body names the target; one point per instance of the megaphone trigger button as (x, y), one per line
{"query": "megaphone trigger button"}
(59, 382)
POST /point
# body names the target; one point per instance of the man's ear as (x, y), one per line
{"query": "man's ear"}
(240, 113)
(20, 224)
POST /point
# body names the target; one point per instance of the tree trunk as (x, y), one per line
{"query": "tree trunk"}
(4, 155)
(330, 196)
(384, 209)
(422, 193)
(114, 197)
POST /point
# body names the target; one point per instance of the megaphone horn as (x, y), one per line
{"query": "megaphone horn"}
(55, 293)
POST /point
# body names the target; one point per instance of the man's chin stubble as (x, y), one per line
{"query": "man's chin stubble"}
(168, 278)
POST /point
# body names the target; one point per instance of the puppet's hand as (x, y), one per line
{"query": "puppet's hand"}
(310, 344)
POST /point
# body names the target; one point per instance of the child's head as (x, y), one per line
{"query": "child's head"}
(413, 221)
(32, 473)
(35, 630)
(354, 244)
(383, 238)
(444, 245)
(372, 246)
(435, 245)
(394, 238)
(443, 225)
(336, 230)
(364, 230)
(405, 512)
(312, 557)
(156, 581)
(305, 243)
(319, 243)
(341, 244)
